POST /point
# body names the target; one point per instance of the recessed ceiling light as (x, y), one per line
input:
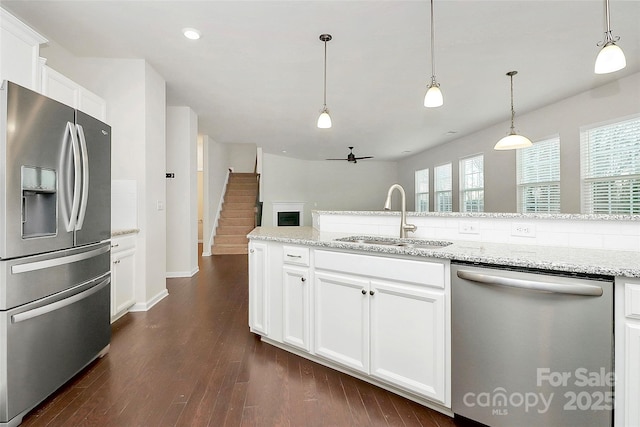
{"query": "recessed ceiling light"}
(451, 132)
(191, 33)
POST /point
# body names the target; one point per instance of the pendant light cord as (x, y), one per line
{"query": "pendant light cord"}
(513, 113)
(325, 75)
(608, 38)
(433, 60)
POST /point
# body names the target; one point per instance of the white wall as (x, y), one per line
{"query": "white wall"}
(620, 98)
(325, 185)
(242, 157)
(216, 165)
(182, 192)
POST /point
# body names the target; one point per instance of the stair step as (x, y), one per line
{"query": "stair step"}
(236, 198)
(238, 206)
(226, 213)
(230, 249)
(234, 221)
(230, 239)
(236, 230)
(243, 192)
(242, 186)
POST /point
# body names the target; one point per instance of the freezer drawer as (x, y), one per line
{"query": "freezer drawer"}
(49, 341)
(27, 279)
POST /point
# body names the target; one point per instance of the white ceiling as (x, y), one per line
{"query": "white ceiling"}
(256, 74)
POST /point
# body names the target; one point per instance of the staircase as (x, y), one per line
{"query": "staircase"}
(237, 217)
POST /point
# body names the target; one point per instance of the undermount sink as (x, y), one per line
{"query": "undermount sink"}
(389, 241)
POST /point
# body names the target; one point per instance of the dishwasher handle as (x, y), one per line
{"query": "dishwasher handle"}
(533, 285)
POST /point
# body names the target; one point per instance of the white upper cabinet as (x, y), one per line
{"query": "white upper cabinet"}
(19, 52)
(65, 90)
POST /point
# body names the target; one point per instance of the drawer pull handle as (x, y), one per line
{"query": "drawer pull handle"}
(115, 245)
(294, 256)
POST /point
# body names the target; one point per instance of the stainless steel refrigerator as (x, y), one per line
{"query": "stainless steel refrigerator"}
(55, 223)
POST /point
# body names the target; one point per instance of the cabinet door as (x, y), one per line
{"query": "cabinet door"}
(258, 288)
(122, 284)
(632, 374)
(408, 344)
(341, 308)
(296, 302)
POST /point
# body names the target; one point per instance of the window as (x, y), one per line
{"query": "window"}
(538, 177)
(611, 168)
(472, 184)
(422, 190)
(442, 187)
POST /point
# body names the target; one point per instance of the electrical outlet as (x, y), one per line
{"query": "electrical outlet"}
(469, 227)
(522, 229)
(160, 205)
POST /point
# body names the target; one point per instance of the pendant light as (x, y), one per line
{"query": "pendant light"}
(324, 121)
(512, 140)
(610, 58)
(433, 97)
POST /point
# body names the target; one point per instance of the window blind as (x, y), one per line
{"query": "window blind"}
(442, 188)
(611, 168)
(422, 190)
(538, 177)
(472, 184)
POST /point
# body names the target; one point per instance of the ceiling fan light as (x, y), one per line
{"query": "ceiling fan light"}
(513, 141)
(433, 97)
(610, 59)
(324, 121)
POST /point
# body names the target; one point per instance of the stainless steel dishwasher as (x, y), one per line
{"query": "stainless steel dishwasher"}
(531, 348)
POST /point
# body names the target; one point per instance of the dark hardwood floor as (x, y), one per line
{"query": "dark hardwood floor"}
(191, 361)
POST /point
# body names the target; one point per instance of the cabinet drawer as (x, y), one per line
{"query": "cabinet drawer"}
(632, 300)
(297, 255)
(122, 243)
(430, 273)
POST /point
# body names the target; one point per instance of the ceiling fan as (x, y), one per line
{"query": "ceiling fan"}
(352, 157)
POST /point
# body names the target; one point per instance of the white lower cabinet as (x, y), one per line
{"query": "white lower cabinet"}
(258, 288)
(123, 252)
(627, 352)
(296, 303)
(341, 326)
(381, 318)
(408, 337)
(392, 330)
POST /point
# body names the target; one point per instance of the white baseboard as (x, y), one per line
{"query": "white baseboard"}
(146, 306)
(178, 274)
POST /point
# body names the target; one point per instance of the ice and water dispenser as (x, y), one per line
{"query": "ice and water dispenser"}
(39, 202)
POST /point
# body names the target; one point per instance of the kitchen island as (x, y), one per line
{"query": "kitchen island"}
(335, 301)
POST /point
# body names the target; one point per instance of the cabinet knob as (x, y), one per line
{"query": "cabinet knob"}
(251, 250)
(364, 292)
(115, 245)
(371, 292)
(302, 279)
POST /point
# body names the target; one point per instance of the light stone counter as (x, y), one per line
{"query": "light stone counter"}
(566, 259)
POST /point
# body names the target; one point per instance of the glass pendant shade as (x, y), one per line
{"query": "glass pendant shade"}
(324, 121)
(610, 59)
(433, 97)
(513, 141)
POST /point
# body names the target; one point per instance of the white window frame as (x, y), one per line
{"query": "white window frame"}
(538, 176)
(471, 183)
(610, 167)
(420, 183)
(443, 190)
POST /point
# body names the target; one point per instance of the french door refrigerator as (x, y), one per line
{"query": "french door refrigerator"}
(55, 223)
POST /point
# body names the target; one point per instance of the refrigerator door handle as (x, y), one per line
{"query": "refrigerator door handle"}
(75, 204)
(53, 262)
(533, 285)
(85, 177)
(30, 314)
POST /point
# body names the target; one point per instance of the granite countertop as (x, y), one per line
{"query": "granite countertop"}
(590, 261)
(123, 232)
(502, 215)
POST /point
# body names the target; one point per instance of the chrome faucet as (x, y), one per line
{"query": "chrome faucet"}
(404, 227)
